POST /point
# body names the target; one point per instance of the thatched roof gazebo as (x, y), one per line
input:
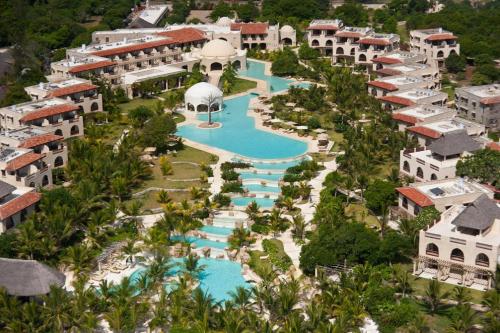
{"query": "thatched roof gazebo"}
(28, 278)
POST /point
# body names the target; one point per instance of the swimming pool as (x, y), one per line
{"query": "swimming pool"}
(218, 278)
(262, 188)
(238, 133)
(201, 242)
(244, 201)
(210, 229)
(276, 166)
(256, 69)
(265, 176)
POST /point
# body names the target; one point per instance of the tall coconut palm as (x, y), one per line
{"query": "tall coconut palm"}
(462, 320)
(56, 310)
(78, 259)
(299, 227)
(192, 266)
(241, 298)
(434, 296)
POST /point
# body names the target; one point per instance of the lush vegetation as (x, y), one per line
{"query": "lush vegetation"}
(483, 166)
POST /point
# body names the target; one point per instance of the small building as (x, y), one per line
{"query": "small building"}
(40, 141)
(81, 92)
(436, 44)
(429, 132)
(202, 96)
(28, 278)
(288, 36)
(416, 115)
(390, 84)
(441, 194)
(22, 167)
(147, 16)
(480, 104)
(439, 160)
(400, 99)
(55, 115)
(164, 77)
(462, 248)
(16, 204)
(218, 53)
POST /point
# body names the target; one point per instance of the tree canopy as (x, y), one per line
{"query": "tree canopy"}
(483, 166)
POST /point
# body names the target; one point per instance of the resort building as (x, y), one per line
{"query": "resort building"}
(218, 53)
(390, 84)
(16, 203)
(343, 45)
(81, 92)
(373, 46)
(429, 132)
(417, 115)
(21, 167)
(164, 77)
(462, 248)
(84, 67)
(202, 96)
(428, 71)
(54, 115)
(442, 194)
(397, 57)
(438, 160)
(480, 104)
(436, 44)
(147, 16)
(28, 278)
(399, 99)
(321, 35)
(40, 141)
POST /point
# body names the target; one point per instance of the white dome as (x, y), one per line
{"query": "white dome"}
(218, 48)
(224, 21)
(287, 28)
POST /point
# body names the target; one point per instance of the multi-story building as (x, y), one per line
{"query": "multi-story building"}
(16, 203)
(480, 104)
(343, 45)
(441, 194)
(426, 71)
(40, 141)
(429, 132)
(439, 160)
(55, 115)
(463, 247)
(390, 84)
(25, 168)
(373, 46)
(81, 92)
(399, 99)
(417, 115)
(436, 44)
(321, 35)
(397, 57)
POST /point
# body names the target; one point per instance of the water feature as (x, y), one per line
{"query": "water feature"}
(244, 201)
(261, 188)
(265, 176)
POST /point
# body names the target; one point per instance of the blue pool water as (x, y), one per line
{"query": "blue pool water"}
(217, 230)
(262, 188)
(276, 166)
(201, 242)
(244, 201)
(218, 278)
(256, 70)
(251, 175)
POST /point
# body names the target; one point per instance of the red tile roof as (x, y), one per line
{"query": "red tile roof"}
(494, 146)
(374, 41)
(23, 161)
(436, 37)
(396, 100)
(425, 131)
(416, 196)
(383, 85)
(134, 47)
(323, 27)
(348, 34)
(184, 35)
(387, 60)
(40, 140)
(404, 118)
(18, 204)
(388, 71)
(490, 100)
(72, 89)
(250, 28)
(91, 66)
(49, 111)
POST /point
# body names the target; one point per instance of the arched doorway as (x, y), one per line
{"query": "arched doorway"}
(340, 51)
(94, 107)
(215, 66)
(75, 130)
(457, 255)
(58, 132)
(214, 107)
(353, 51)
(45, 180)
(190, 107)
(236, 64)
(420, 173)
(440, 54)
(434, 177)
(406, 166)
(362, 58)
(58, 161)
(432, 250)
(315, 42)
(202, 108)
(286, 41)
(482, 260)
(329, 43)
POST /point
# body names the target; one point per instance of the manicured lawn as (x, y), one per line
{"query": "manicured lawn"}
(361, 214)
(149, 199)
(189, 154)
(148, 102)
(337, 138)
(257, 264)
(242, 85)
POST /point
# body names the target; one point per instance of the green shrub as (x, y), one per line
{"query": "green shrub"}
(232, 187)
(277, 255)
(222, 200)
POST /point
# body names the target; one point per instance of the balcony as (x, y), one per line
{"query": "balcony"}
(432, 253)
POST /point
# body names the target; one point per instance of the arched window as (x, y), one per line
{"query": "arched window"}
(482, 260)
(58, 132)
(420, 173)
(440, 54)
(434, 177)
(32, 184)
(457, 255)
(236, 64)
(58, 161)
(406, 166)
(94, 107)
(190, 107)
(202, 108)
(374, 92)
(45, 180)
(214, 107)
(353, 51)
(315, 42)
(329, 43)
(432, 250)
(362, 58)
(216, 66)
(453, 52)
(286, 41)
(340, 50)
(75, 130)
(405, 202)
(223, 38)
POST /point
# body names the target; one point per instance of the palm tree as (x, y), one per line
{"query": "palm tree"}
(240, 237)
(78, 258)
(26, 240)
(305, 190)
(202, 311)
(463, 319)
(192, 266)
(433, 296)
(299, 227)
(402, 280)
(491, 300)
(162, 197)
(56, 312)
(167, 223)
(461, 295)
(130, 250)
(276, 221)
(241, 297)
(196, 193)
